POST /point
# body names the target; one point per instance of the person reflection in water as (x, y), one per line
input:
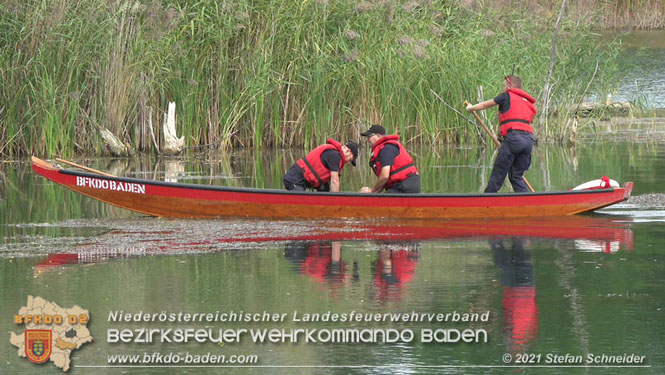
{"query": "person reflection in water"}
(520, 312)
(394, 268)
(321, 260)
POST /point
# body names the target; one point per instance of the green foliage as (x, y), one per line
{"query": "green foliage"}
(268, 72)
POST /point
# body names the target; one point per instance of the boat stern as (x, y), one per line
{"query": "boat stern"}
(628, 189)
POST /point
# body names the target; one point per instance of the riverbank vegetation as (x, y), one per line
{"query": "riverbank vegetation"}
(277, 73)
(604, 14)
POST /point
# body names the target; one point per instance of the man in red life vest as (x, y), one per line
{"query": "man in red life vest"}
(391, 163)
(516, 111)
(321, 168)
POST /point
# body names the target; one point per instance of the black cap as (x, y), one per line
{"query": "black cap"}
(374, 129)
(353, 146)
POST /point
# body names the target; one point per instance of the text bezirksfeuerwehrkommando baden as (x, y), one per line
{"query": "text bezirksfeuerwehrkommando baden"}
(295, 335)
(297, 316)
(309, 335)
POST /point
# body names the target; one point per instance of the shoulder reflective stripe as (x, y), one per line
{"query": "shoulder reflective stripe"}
(313, 171)
(403, 168)
(514, 120)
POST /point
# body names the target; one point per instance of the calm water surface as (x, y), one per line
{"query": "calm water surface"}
(645, 77)
(590, 284)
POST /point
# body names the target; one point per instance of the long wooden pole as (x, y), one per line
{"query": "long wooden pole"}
(84, 168)
(496, 142)
(475, 126)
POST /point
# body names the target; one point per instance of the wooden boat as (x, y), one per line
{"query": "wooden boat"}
(165, 199)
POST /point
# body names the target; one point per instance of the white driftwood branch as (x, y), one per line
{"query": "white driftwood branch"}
(116, 147)
(172, 144)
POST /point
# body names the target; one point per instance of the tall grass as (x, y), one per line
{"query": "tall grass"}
(608, 14)
(266, 72)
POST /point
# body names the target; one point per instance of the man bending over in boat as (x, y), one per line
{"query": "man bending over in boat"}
(391, 163)
(321, 168)
(516, 111)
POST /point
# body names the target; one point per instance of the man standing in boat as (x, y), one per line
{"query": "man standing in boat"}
(391, 163)
(321, 168)
(516, 112)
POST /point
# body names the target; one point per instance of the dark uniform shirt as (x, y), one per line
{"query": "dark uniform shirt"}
(388, 154)
(503, 100)
(331, 160)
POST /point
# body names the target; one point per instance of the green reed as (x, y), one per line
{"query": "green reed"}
(269, 72)
(608, 14)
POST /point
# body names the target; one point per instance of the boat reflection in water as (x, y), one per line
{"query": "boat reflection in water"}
(520, 311)
(84, 255)
(590, 233)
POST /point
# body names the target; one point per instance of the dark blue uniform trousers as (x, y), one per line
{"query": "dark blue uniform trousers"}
(514, 159)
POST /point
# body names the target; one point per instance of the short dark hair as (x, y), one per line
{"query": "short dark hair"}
(514, 81)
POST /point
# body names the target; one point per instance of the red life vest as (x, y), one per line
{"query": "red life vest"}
(315, 172)
(520, 113)
(402, 167)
